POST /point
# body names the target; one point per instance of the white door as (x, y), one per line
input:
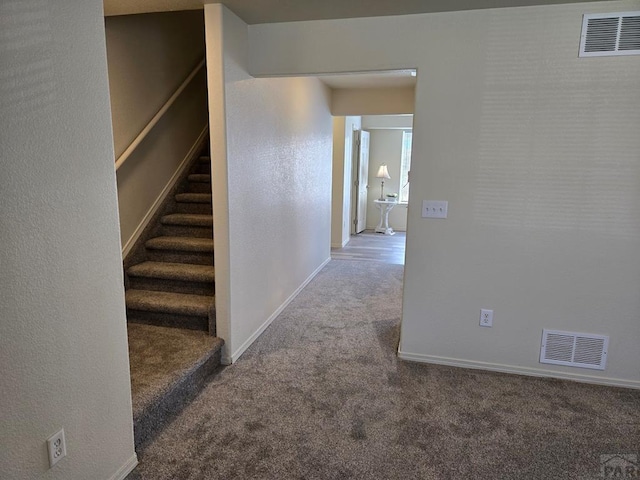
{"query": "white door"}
(362, 184)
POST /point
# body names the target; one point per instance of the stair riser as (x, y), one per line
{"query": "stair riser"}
(201, 168)
(172, 256)
(197, 208)
(175, 286)
(150, 422)
(186, 231)
(198, 187)
(168, 320)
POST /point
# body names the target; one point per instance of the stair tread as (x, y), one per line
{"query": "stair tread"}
(167, 302)
(185, 244)
(204, 159)
(173, 271)
(188, 219)
(199, 178)
(193, 198)
(183, 354)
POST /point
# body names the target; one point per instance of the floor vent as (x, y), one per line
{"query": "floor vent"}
(574, 349)
(605, 34)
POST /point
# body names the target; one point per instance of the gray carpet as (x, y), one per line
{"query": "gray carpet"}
(168, 368)
(322, 395)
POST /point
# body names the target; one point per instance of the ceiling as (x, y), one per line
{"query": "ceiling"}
(272, 11)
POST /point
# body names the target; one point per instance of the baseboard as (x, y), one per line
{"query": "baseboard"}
(235, 355)
(126, 469)
(532, 372)
(163, 194)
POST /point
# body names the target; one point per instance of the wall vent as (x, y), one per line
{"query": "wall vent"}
(605, 34)
(574, 349)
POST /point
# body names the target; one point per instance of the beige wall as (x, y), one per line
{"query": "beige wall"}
(149, 57)
(372, 101)
(536, 151)
(342, 191)
(63, 339)
(387, 121)
(385, 147)
(271, 161)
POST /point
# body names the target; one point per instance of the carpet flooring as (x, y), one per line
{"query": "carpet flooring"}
(322, 395)
(168, 367)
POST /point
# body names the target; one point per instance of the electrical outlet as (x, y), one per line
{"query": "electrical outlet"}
(486, 318)
(57, 447)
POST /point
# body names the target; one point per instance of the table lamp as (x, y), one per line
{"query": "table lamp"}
(382, 174)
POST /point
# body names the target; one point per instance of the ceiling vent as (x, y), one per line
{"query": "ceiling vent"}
(605, 34)
(574, 349)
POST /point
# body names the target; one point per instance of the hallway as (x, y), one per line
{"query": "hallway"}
(373, 247)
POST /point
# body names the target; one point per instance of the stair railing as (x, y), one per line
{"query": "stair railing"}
(156, 118)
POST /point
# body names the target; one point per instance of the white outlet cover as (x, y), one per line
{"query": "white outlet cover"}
(57, 447)
(486, 318)
(435, 208)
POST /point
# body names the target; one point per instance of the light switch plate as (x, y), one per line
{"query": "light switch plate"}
(434, 208)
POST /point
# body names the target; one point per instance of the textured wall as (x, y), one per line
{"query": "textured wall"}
(385, 147)
(63, 345)
(149, 57)
(342, 191)
(536, 151)
(272, 168)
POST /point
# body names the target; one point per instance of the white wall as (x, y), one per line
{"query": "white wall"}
(271, 161)
(536, 151)
(63, 339)
(344, 129)
(149, 56)
(385, 146)
(372, 101)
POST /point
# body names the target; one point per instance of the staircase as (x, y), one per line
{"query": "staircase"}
(169, 295)
(174, 285)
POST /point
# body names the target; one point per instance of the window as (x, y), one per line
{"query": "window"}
(405, 166)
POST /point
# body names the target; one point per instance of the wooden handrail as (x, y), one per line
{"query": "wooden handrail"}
(156, 118)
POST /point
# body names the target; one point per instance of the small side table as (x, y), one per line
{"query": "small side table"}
(385, 207)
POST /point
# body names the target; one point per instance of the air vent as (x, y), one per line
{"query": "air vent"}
(574, 349)
(605, 34)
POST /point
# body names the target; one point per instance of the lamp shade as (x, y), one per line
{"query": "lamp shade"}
(383, 172)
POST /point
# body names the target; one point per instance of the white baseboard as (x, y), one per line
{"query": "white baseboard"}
(126, 469)
(532, 372)
(163, 194)
(235, 355)
(340, 245)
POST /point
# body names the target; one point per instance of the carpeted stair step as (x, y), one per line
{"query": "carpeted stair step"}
(199, 178)
(186, 219)
(181, 250)
(193, 198)
(169, 309)
(198, 203)
(172, 277)
(169, 366)
(187, 225)
(199, 183)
